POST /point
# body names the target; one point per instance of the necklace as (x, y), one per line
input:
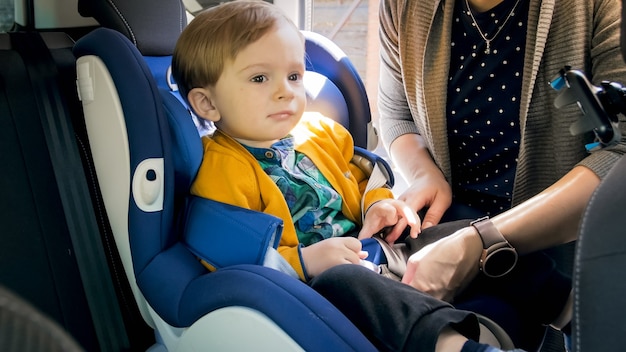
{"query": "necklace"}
(487, 40)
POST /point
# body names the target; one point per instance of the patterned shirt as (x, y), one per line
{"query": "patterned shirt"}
(314, 205)
(483, 104)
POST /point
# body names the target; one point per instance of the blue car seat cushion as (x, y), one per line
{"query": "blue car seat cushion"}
(159, 66)
(187, 147)
(291, 306)
(170, 277)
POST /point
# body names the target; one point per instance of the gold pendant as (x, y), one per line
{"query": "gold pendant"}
(488, 48)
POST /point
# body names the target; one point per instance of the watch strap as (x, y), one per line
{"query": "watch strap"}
(494, 244)
(488, 233)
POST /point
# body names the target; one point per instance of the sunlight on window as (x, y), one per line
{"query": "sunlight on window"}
(6, 15)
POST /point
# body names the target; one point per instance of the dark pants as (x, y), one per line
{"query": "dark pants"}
(392, 315)
(522, 302)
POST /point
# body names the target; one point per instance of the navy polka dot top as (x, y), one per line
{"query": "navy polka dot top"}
(483, 104)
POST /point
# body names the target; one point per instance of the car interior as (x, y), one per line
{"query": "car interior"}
(98, 152)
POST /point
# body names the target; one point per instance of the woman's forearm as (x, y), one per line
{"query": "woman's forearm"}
(551, 217)
(410, 155)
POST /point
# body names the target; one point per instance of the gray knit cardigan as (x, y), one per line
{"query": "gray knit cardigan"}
(415, 58)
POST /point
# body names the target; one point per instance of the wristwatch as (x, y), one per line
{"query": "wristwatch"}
(498, 257)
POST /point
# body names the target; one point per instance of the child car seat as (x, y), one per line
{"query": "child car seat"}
(134, 129)
(179, 298)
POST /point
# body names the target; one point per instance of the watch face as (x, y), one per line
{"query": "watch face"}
(500, 262)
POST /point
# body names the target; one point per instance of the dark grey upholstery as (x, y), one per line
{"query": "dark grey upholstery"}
(599, 280)
(141, 21)
(26, 329)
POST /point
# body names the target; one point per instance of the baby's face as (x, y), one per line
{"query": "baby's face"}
(260, 95)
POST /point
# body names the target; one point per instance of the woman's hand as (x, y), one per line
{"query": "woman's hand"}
(428, 187)
(392, 215)
(444, 268)
(330, 252)
(430, 191)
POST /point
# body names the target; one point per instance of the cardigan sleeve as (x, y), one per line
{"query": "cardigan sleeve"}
(607, 65)
(395, 117)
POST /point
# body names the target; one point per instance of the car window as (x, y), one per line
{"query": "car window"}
(6, 15)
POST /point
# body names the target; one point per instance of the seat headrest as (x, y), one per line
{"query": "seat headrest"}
(153, 26)
(324, 97)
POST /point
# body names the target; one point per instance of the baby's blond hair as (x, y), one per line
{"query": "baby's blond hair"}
(216, 36)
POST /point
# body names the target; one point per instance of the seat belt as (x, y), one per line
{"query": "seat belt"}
(74, 192)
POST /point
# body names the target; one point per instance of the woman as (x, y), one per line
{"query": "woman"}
(467, 115)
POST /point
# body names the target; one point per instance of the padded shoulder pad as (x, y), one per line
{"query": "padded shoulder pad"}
(224, 235)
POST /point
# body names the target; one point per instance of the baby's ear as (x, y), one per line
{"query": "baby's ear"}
(202, 105)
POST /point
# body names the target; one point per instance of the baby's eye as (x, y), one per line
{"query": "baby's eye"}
(295, 77)
(259, 79)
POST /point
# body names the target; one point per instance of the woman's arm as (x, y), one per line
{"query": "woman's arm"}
(548, 219)
(552, 217)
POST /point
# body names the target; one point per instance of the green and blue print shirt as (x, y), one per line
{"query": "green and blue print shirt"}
(314, 205)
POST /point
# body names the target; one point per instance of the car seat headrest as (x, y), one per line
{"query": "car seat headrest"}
(324, 97)
(153, 26)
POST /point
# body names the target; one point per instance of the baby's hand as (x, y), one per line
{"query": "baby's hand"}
(392, 213)
(330, 252)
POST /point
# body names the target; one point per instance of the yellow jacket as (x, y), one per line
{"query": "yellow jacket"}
(230, 174)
